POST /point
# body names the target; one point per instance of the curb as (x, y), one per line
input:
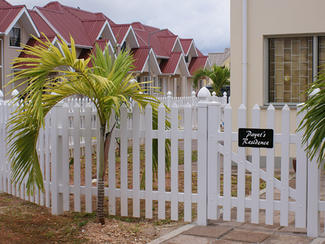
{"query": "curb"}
(172, 234)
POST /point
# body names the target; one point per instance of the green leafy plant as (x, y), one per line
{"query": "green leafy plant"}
(313, 122)
(219, 76)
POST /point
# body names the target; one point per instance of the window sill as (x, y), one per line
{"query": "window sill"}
(14, 47)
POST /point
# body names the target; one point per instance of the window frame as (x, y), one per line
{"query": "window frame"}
(1, 65)
(266, 61)
(11, 31)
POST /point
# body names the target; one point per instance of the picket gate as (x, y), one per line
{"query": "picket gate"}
(67, 148)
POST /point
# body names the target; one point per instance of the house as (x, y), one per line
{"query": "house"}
(160, 55)
(278, 46)
(220, 58)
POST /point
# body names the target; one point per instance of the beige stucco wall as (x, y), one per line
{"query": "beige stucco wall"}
(266, 19)
(9, 54)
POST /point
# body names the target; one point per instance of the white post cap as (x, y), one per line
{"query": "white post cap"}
(204, 94)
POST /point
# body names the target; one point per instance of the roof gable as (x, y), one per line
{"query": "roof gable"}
(120, 32)
(169, 66)
(10, 16)
(197, 63)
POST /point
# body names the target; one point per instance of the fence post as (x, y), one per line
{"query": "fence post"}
(2, 142)
(203, 96)
(213, 127)
(56, 160)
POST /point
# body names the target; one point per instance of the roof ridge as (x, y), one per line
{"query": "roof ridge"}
(14, 7)
(49, 10)
(92, 20)
(122, 25)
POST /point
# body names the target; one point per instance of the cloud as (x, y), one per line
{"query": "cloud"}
(207, 22)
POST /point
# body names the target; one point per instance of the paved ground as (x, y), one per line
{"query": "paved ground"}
(222, 232)
(233, 232)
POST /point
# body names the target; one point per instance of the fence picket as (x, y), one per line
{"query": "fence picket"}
(213, 124)
(270, 170)
(76, 156)
(136, 160)
(241, 174)
(227, 165)
(188, 163)
(285, 142)
(124, 161)
(174, 162)
(65, 157)
(56, 162)
(148, 160)
(2, 144)
(88, 157)
(256, 170)
(301, 184)
(41, 161)
(161, 161)
(47, 158)
(111, 169)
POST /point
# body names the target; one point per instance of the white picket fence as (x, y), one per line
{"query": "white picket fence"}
(71, 130)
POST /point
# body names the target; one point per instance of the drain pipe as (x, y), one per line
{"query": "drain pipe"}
(244, 52)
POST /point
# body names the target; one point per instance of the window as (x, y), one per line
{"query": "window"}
(1, 68)
(14, 37)
(123, 46)
(290, 69)
(321, 54)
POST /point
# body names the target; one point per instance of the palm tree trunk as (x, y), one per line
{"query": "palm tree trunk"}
(104, 144)
(100, 178)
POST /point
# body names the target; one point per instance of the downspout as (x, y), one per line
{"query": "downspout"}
(244, 53)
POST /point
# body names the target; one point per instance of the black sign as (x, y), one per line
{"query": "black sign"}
(249, 137)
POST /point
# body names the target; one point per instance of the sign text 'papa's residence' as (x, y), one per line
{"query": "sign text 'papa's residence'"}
(249, 137)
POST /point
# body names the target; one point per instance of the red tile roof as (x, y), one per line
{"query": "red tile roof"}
(169, 66)
(82, 25)
(120, 31)
(8, 14)
(67, 25)
(199, 53)
(102, 44)
(41, 24)
(4, 4)
(186, 43)
(140, 56)
(93, 27)
(197, 63)
(85, 27)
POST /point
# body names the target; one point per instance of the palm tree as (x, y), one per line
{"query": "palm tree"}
(52, 76)
(219, 76)
(313, 122)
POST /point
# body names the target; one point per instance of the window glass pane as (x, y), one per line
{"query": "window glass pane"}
(15, 37)
(321, 54)
(290, 69)
(1, 52)
(1, 88)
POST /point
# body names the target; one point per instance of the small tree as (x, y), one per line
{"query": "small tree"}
(52, 76)
(219, 76)
(313, 122)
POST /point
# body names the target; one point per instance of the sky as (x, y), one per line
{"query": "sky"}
(206, 21)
